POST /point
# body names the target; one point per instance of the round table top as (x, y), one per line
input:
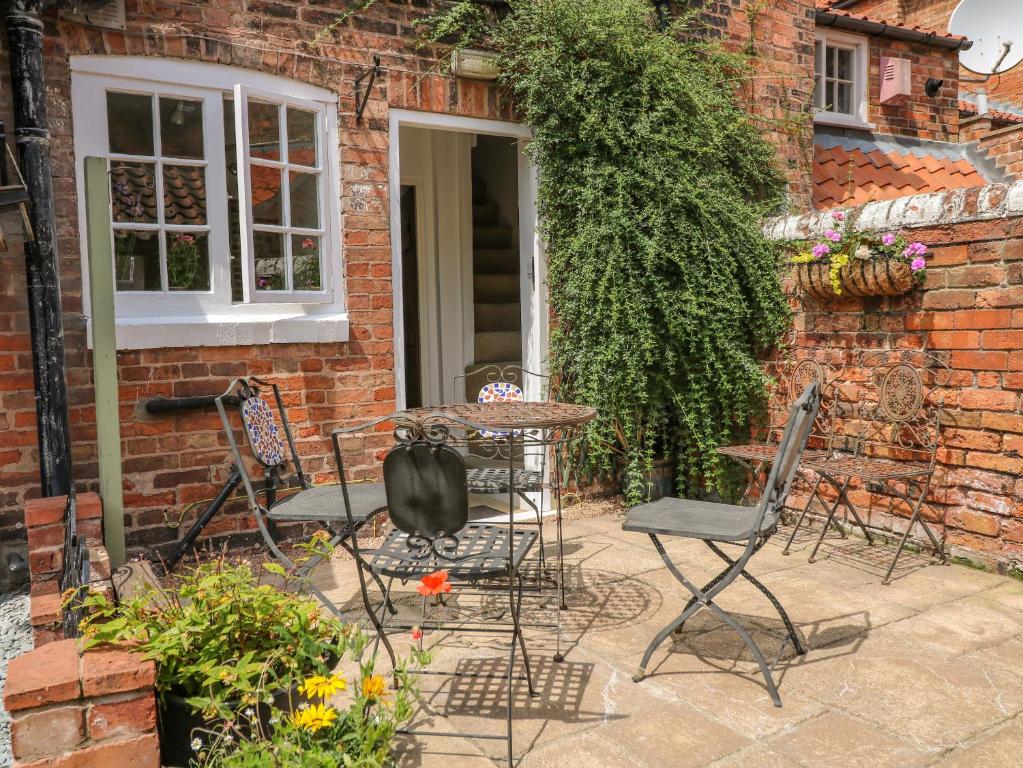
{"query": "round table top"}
(509, 416)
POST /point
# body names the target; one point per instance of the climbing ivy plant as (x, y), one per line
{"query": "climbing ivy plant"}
(653, 184)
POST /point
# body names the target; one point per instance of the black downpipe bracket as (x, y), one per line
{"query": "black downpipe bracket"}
(23, 19)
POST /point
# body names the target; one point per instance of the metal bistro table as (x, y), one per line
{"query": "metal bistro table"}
(513, 430)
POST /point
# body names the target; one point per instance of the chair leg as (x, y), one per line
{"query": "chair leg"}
(914, 518)
(802, 515)
(516, 613)
(796, 642)
(772, 689)
(701, 599)
(830, 518)
(383, 590)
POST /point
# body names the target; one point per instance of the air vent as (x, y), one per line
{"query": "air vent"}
(896, 83)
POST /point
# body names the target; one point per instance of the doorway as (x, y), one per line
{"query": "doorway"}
(465, 257)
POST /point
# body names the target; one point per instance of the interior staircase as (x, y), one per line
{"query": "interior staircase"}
(496, 305)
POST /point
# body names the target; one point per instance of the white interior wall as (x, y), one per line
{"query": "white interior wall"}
(438, 164)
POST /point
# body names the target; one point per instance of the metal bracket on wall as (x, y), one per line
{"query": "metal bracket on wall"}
(362, 99)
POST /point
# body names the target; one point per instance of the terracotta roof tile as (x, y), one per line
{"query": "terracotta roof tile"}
(891, 24)
(847, 177)
(969, 109)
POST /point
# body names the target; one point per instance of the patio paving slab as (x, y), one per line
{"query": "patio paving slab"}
(927, 671)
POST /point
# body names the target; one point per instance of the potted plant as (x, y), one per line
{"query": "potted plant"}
(226, 638)
(845, 261)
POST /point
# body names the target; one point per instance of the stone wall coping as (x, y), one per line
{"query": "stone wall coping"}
(954, 206)
(50, 510)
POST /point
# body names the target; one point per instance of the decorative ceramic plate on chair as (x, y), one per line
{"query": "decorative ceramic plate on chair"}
(500, 392)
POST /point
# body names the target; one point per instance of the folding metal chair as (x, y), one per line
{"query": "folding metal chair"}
(428, 503)
(341, 511)
(716, 524)
(895, 449)
(487, 468)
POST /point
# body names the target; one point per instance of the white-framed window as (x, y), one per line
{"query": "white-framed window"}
(224, 200)
(840, 79)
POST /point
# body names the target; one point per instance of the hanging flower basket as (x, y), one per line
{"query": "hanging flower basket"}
(845, 262)
(879, 276)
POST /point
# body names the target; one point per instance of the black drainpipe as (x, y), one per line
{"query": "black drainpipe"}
(23, 19)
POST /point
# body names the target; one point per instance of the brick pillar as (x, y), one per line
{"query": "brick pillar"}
(74, 710)
(44, 520)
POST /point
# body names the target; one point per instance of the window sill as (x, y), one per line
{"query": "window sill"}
(842, 121)
(228, 330)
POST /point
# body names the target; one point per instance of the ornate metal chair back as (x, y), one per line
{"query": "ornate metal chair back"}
(900, 413)
(267, 432)
(427, 494)
(820, 369)
(800, 424)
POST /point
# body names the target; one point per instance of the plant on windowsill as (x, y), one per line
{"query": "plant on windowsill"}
(183, 261)
(847, 262)
(231, 643)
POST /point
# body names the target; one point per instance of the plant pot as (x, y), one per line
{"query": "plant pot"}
(860, 277)
(660, 480)
(177, 724)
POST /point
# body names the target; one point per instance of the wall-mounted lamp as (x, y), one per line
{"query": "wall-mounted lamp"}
(933, 86)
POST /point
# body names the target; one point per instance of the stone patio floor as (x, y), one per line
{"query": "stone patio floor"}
(926, 671)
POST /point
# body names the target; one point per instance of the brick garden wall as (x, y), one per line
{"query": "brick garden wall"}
(173, 462)
(919, 116)
(969, 313)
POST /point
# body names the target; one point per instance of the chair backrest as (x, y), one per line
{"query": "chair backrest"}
(825, 369)
(797, 431)
(899, 415)
(267, 431)
(427, 492)
(501, 383)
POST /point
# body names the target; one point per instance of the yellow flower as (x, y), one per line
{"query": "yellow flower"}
(320, 687)
(373, 687)
(315, 718)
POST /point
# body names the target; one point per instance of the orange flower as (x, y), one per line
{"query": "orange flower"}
(434, 584)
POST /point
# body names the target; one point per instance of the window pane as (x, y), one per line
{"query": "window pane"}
(302, 137)
(818, 54)
(137, 260)
(264, 130)
(130, 123)
(843, 98)
(132, 192)
(305, 256)
(305, 200)
(181, 128)
(269, 261)
(184, 194)
(844, 64)
(266, 195)
(818, 92)
(188, 261)
(829, 60)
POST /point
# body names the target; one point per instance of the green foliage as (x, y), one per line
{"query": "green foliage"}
(344, 724)
(653, 184)
(221, 632)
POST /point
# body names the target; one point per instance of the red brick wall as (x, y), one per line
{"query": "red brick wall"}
(780, 34)
(173, 462)
(926, 14)
(919, 116)
(970, 313)
(1004, 146)
(70, 708)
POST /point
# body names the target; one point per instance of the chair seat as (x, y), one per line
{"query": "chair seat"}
(481, 551)
(866, 469)
(695, 520)
(762, 452)
(495, 480)
(327, 502)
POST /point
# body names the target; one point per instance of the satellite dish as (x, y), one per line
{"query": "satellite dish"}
(990, 24)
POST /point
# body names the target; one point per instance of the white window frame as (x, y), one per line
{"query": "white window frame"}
(149, 319)
(861, 53)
